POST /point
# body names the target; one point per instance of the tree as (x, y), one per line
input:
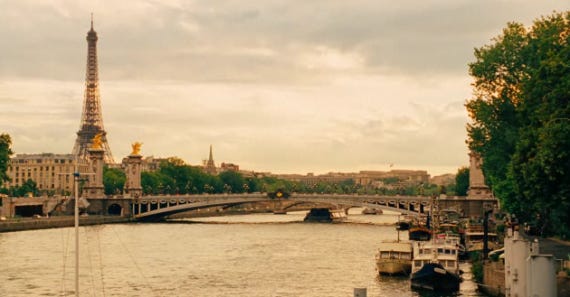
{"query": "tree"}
(234, 180)
(150, 182)
(520, 120)
(113, 180)
(462, 181)
(29, 187)
(5, 153)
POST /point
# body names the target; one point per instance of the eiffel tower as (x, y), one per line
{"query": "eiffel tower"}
(92, 118)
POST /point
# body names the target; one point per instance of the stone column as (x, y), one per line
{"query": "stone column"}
(477, 187)
(94, 187)
(133, 167)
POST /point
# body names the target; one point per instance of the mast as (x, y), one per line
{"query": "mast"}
(76, 216)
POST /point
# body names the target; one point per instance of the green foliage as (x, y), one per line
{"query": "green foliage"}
(521, 120)
(462, 181)
(477, 271)
(150, 182)
(5, 153)
(175, 177)
(113, 180)
(390, 180)
(29, 187)
(234, 181)
(252, 185)
(501, 229)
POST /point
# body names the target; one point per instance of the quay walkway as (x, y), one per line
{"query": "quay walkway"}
(22, 224)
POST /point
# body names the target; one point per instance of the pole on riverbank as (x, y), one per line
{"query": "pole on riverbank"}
(76, 211)
(359, 292)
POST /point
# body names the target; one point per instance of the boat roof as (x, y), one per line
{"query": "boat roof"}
(400, 246)
(437, 243)
(467, 233)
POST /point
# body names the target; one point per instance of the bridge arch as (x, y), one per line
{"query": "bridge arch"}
(114, 210)
(158, 207)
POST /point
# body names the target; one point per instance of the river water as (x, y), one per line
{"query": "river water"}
(249, 255)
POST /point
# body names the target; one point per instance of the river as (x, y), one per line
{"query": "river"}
(249, 255)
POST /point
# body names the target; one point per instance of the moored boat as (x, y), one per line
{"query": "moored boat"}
(394, 258)
(435, 264)
(419, 233)
(433, 276)
(325, 215)
(372, 211)
(402, 225)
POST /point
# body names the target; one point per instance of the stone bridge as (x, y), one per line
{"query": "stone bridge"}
(157, 207)
(161, 206)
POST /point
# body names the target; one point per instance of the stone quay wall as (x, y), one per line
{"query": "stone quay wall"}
(23, 224)
(493, 278)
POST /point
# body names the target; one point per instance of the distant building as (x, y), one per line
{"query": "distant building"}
(251, 174)
(443, 180)
(405, 177)
(51, 172)
(229, 167)
(364, 178)
(151, 164)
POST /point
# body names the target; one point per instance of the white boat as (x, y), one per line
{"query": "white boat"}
(435, 264)
(394, 257)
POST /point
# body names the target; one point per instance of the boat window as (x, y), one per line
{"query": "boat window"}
(450, 263)
(475, 237)
(440, 251)
(385, 255)
(453, 252)
(406, 256)
(446, 251)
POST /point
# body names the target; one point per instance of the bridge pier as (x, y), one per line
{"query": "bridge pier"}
(94, 187)
(110, 206)
(133, 171)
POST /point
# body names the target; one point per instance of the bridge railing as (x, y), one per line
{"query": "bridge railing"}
(168, 204)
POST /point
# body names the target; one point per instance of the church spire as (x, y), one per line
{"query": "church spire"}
(210, 165)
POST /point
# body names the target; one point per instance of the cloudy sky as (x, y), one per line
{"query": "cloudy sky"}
(282, 86)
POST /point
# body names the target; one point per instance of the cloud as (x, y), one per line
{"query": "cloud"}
(255, 41)
(274, 85)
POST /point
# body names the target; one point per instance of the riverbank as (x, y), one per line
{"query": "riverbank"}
(23, 224)
(494, 278)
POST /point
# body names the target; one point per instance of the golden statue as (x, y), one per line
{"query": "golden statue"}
(96, 142)
(136, 148)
